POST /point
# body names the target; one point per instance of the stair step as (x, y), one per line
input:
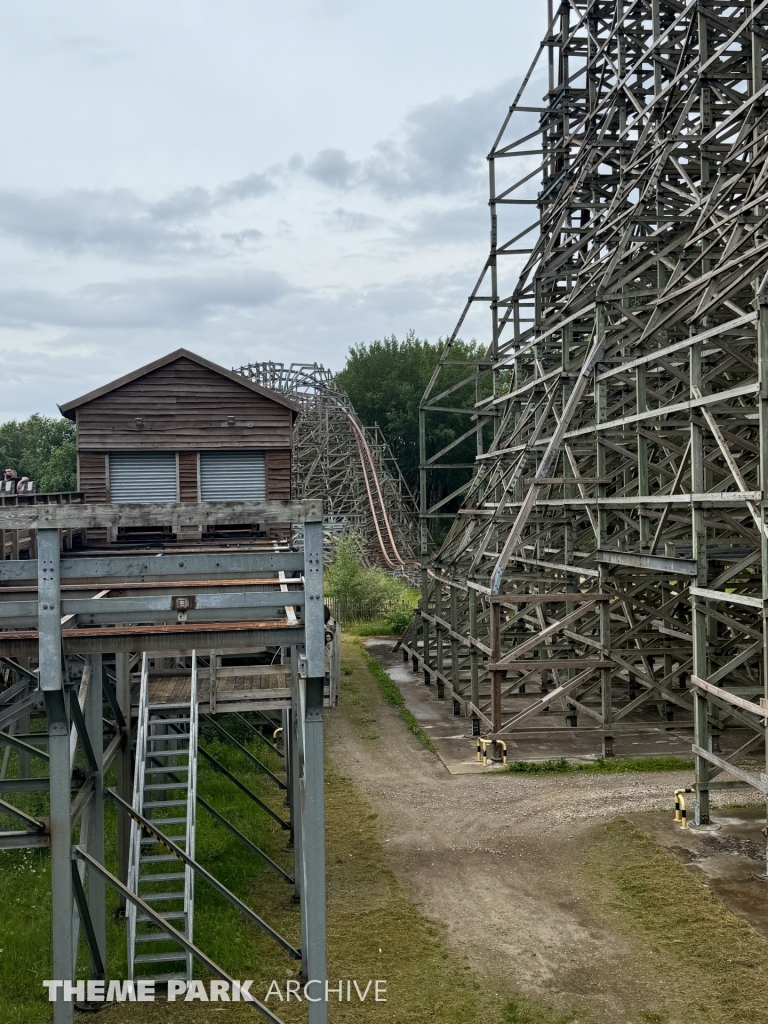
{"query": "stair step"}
(168, 821)
(167, 769)
(159, 958)
(154, 842)
(164, 803)
(173, 976)
(156, 937)
(169, 721)
(167, 876)
(167, 738)
(154, 787)
(167, 915)
(157, 858)
(167, 753)
(159, 897)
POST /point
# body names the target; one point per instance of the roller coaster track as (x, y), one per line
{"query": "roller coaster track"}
(377, 493)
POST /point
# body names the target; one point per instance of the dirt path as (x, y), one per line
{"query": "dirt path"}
(496, 858)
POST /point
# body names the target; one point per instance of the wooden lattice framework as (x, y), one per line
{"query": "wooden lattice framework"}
(610, 550)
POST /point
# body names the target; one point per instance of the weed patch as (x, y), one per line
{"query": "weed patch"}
(392, 695)
(602, 766)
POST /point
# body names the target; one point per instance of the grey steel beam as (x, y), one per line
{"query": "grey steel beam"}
(167, 927)
(150, 827)
(311, 768)
(243, 788)
(51, 684)
(148, 568)
(90, 928)
(32, 823)
(94, 723)
(22, 745)
(151, 606)
(262, 767)
(24, 840)
(256, 732)
(124, 765)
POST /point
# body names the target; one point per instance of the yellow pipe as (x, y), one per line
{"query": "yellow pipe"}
(275, 733)
(480, 742)
(503, 745)
(680, 810)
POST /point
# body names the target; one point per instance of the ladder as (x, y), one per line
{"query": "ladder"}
(165, 791)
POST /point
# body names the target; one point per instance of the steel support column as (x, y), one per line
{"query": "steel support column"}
(94, 722)
(51, 683)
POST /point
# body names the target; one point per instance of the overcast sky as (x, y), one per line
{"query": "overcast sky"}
(250, 180)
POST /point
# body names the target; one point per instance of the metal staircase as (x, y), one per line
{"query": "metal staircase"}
(165, 791)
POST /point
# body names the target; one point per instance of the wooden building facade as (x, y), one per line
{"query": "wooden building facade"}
(183, 429)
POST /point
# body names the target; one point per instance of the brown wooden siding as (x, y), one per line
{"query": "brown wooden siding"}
(93, 481)
(182, 407)
(188, 489)
(279, 475)
(92, 476)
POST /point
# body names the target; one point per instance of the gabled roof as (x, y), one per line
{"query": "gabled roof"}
(69, 408)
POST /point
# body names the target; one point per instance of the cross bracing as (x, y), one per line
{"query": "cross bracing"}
(349, 467)
(610, 547)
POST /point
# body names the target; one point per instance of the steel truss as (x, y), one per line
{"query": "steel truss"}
(610, 550)
(76, 616)
(347, 466)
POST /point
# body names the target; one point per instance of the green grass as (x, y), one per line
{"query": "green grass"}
(380, 626)
(602, 766)
(221, 931)
(713, 964)
(391, 693)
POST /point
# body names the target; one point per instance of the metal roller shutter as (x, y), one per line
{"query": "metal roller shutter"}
(142, 477)
(233, 476)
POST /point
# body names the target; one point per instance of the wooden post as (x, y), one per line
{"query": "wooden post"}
(496, 676)
(214, 679)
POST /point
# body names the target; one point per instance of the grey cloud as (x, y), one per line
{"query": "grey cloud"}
(116, 223)
(164, 302)
(441, 150)
(443, 147)
(119, 222)
(250, 187)
(332, 167)
(351, 220)
(250, 236)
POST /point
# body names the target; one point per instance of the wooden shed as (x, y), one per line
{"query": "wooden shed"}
(183, 429)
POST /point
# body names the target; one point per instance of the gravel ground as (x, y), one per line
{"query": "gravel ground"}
(497, 858)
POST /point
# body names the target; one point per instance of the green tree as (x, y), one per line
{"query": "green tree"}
(42, 448)
(386, 380)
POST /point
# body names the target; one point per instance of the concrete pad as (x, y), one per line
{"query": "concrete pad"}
(451, 736)
(456, 747)
(544, 741)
